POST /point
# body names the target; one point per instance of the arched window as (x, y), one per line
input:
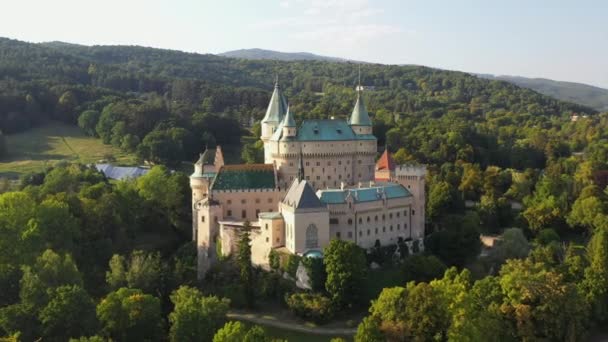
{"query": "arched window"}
(312, 240)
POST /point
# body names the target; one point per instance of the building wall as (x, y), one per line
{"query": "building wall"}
(246, 205)
(413, 178)
(296, 224)
(367, 222)
(208, 216)
(326, 163)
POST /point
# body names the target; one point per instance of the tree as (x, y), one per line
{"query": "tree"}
(539, 304)
(130, 315)
(244, 263)
(440, 200)
(587, 212)
(422, 268)
(471, 181)
(595, 282)
(195, 317)
(512, 244)
(238, 332)
(69, 313)
(144, 271)
(87, 121)
(346, 269)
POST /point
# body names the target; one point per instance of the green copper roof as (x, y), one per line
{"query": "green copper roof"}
(360, 117)
(289, 121)
(375, 193)
(319, 130)
(277, 106)
(245, 176)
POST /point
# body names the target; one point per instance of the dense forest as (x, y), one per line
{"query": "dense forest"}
(502, 160)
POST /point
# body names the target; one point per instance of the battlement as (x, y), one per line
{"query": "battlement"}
(410, 170)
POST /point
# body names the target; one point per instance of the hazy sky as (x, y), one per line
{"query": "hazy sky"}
(562, 40)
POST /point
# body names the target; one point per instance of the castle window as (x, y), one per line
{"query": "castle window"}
(368, 219)
(229, 213)
(266, 226)
(257, 200)
(328, 177)
(360, 220)
(229, 201)
(360, 233)
(390, 215)
(376, 230)
(257, 212)
(413, 212)
(267, 239)
(398, 214)
(312, 240)
(328, 163)
(350, 221)
(270, 200)
(333, 221)
(215, 219)
(318, 177)
(359, 161)
(350, 235)
(244, 214)
(202, 218)
(338, 235)
(318, 163)
(278, 240)
(391, 228)
(405, 226)
(339, 162)
(398, 226)
(405, 213)
(290, 164)
(243, 201)
(307, 164)
(376, 218)
(368, 232)
(383, 217)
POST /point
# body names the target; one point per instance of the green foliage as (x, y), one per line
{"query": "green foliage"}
(457, 243)
(274, 259)
(88, 120)
(195, 317)
(130, 315)
(346, 269)
(293, 262)
(3, 146)
(512, 245)
(595, 282)
(144, 271)
(69, 313)
(238, 332)
(316, 273)
(245, 266)
(311, 306)
(547, 236)
(422, 268)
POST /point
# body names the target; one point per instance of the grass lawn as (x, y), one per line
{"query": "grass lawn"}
(40, 147)
(295, 336)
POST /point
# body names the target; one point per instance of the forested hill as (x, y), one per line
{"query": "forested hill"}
(278, 55)
(584, 94)
(167, 105)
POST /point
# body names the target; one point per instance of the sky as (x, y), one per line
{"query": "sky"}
(556, 39)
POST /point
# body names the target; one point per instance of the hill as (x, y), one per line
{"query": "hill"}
(279, 56)
(584, 94)
(168, 105)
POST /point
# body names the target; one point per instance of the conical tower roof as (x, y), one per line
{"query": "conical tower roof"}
(359, 117)
(385, 162)
(289, 120)
(277, 107)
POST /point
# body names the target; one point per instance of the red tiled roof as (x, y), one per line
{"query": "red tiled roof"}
(385, 162)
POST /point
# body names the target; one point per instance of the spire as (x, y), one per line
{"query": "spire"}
(360, 117)
(300, 167)
(289, 121)
(277, 106)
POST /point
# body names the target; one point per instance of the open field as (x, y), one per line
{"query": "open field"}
(40, 147)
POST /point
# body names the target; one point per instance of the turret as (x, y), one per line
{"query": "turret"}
(289, 125)
(359, 119)
(274, 113)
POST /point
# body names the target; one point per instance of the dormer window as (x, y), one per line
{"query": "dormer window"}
(316, 131)
(339, 131)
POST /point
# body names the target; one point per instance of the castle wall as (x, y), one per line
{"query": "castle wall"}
(246, 205)
(297, 223)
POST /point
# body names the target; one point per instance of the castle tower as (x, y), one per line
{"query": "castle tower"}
(385, 167)
(209, 213)
(412, 177)
(359, 119)
(274, 113)
(289, 126)
(199, 183)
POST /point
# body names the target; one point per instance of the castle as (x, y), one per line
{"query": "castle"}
(319, 181)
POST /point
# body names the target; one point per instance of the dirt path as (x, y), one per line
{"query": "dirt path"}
(277, 322)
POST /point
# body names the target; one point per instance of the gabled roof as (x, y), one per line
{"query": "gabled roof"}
(360, 117)
(375, 193)
(244, 176)
(385, 162)
(302, 196)
(121, 172)
(277, 107)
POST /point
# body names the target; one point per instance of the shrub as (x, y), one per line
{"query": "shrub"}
(311, 306)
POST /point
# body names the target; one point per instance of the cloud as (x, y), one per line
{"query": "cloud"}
(284, 4)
